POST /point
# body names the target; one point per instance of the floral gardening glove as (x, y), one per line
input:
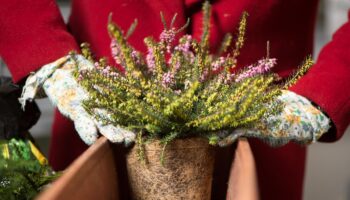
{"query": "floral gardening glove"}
(299, 121)
(57, 81)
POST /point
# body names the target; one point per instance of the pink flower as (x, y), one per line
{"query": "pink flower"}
(229, 78)
(185, 48)
(216, 65)
(185, 44)
(116, 52)
(97, 66)
(204, 76)
(263, 66)
(136, 57)
(167, 37)
(151, 63)
(168, 79)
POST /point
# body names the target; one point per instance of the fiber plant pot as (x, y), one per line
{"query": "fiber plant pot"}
(186, 172)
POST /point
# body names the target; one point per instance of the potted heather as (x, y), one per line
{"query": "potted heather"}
(180, 100)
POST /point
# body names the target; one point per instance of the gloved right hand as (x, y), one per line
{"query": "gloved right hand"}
(57, 81)
(299, 121)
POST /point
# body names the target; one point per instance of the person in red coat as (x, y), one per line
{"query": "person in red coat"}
(32, 34)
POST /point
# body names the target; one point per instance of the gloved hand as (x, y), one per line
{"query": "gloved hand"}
(13, 120)
(56, 80)
(299, 121)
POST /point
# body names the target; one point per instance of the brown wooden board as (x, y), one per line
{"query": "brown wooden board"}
(92, 176)
(243, 182)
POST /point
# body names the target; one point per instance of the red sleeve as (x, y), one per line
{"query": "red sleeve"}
(32, 34)
(328, 82)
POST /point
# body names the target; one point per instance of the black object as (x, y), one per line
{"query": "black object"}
(13, 120)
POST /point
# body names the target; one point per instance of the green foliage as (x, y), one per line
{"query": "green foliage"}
(21, 174)
(182, 90)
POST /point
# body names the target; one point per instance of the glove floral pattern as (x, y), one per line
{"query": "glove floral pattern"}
(299, 121)
(61, 87)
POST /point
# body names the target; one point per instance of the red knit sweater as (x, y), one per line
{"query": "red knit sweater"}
(32, 33)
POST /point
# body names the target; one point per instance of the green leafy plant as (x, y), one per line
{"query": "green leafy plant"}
(22, 176)
(180, 89)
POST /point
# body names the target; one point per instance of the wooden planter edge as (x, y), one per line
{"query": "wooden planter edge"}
(92, 176)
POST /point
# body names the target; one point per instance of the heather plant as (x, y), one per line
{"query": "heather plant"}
(180, 89)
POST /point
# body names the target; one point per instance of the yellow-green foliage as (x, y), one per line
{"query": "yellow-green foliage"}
(198, 101)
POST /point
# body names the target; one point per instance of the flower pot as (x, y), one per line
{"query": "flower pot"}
(185, 174)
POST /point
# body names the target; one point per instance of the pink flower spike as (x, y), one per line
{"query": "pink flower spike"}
(218, 63)
(168, 79)
(263, 66)
(167, 37)
(97, 66)
(116, 52)
(185, 44)
(150, 60)
(135, 57)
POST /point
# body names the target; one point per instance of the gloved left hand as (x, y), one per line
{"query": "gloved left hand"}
(57, 81)
(299, 121)
(14, 122)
